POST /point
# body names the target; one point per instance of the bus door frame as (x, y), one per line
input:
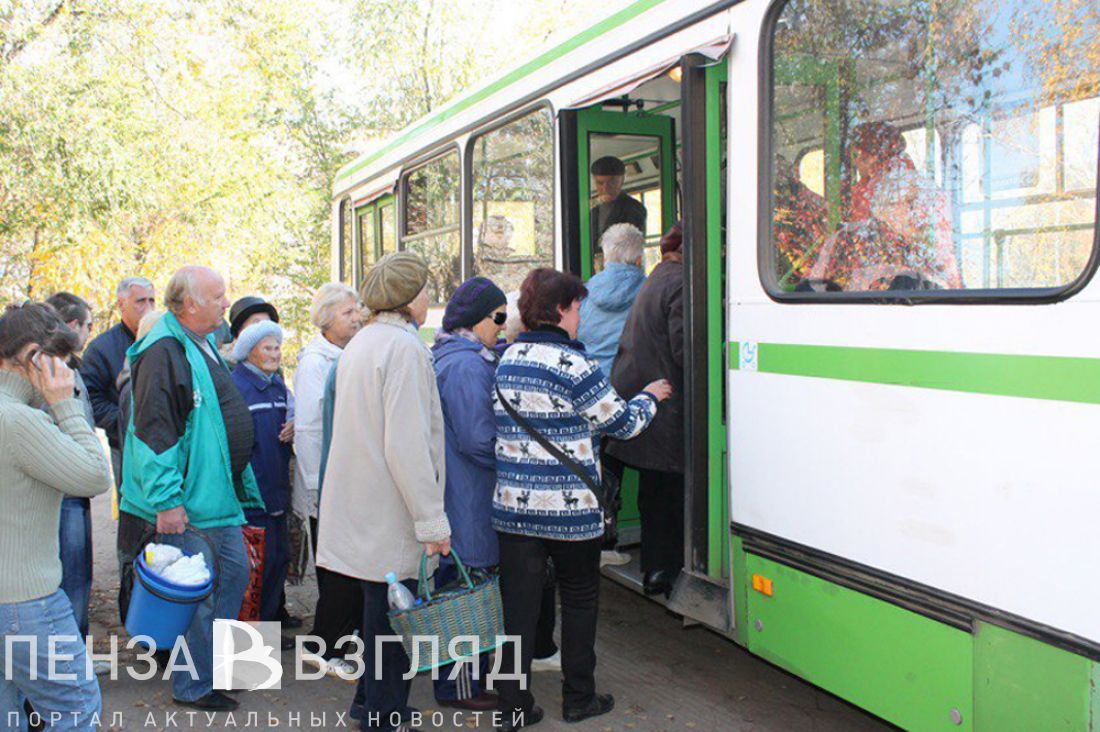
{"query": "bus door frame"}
(373, 209)
(590, 121)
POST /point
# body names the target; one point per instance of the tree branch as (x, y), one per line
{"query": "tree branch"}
(18, 46)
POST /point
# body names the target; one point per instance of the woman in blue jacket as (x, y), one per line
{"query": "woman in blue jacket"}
(258, 353)
(611, 293)
(465, 368)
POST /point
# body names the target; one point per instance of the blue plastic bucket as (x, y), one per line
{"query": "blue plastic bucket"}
(161, 609)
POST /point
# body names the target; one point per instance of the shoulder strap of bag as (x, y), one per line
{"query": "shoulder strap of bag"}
(550, 447)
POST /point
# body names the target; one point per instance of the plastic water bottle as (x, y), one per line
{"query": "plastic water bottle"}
(398, 594)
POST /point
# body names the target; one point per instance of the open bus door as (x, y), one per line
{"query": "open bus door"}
(646, 140)
(703, 589)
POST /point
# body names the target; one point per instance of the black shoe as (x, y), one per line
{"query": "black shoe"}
(291, 621)
(511, 721)
(288, 642)
(658, 582)
(215, 701)
(600, 704)
(162, 657)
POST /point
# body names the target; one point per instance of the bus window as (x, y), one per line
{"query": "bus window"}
(513, 199)
(958, 146)
(625, 175)
(432, 223)
(345, 274)
(388, 227)
(368, 252)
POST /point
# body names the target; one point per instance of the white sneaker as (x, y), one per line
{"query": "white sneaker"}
(550, 663)
(337, 666)
(101, 668)
(612, 558)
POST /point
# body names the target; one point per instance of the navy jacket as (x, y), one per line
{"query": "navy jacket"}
(100, 367)
(466, 381)
(267, 401)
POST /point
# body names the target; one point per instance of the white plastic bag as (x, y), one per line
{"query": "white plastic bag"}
(169, 563)
(159, 556)
(188, 571)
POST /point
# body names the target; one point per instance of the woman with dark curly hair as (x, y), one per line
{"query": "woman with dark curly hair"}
(553, 405)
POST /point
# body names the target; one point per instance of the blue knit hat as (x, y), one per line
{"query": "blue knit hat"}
(252, 335)
(472, 302)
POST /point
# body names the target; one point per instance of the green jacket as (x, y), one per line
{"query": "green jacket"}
(192, 467)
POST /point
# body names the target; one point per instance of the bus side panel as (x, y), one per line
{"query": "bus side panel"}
(966, 493)
(907, 669)
(1022, 685)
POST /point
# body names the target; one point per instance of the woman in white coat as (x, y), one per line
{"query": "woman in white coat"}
(337, 314)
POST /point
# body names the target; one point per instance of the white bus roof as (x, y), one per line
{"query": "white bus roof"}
(675, 26)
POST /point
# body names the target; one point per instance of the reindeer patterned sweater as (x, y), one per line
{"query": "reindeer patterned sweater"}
(564, 394)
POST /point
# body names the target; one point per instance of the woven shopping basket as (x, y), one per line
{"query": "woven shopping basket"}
(469, 609)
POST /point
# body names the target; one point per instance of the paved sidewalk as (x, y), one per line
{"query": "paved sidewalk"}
(664, 678)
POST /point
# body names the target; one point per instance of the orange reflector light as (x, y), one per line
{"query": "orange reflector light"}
(763, 585)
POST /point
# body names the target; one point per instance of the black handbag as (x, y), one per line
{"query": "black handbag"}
(604, 493)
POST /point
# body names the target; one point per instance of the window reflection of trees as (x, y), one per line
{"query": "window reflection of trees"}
(998, 105)
(513, 195)
(432, 213)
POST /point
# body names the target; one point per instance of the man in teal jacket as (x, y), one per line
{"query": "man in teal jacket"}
(186, 459)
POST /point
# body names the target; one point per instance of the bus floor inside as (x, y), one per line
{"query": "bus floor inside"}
(629, 575)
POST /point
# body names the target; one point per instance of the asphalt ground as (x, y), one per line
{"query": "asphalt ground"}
(665, 678)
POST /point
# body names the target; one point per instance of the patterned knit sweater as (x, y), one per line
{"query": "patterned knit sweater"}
(563, 393)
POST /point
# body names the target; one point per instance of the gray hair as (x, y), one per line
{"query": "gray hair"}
(622, 243)
(330, 295)
(513, 326)
(183, 285)
(130, 283)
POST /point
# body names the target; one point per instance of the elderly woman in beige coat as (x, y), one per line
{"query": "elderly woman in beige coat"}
(383, 494)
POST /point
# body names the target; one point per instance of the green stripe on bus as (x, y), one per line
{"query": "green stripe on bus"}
(1057, 378)
(607, 24)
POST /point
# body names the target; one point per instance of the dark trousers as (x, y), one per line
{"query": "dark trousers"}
(339, 610)
(131, 531)
(548, 618)
(522, 583)
(661, 505)
(386, 697)
(276, 560)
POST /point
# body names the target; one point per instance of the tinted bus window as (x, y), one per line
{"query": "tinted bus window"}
(932, 146)
(513, 199)
(431, 228)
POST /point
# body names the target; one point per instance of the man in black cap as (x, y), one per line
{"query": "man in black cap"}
(614, 207)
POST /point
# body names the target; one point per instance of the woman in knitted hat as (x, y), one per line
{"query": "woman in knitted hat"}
(258, 353)
(382, 502)
(465, 369)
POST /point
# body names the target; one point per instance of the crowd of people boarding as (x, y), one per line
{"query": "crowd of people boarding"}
(491, 445)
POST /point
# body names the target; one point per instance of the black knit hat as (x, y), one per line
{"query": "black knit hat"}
(472, 302)
(608, 165)
(246, 307)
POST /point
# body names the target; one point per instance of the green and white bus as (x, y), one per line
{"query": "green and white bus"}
(892, 359)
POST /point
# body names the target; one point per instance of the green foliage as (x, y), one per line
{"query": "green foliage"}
(138, 137)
